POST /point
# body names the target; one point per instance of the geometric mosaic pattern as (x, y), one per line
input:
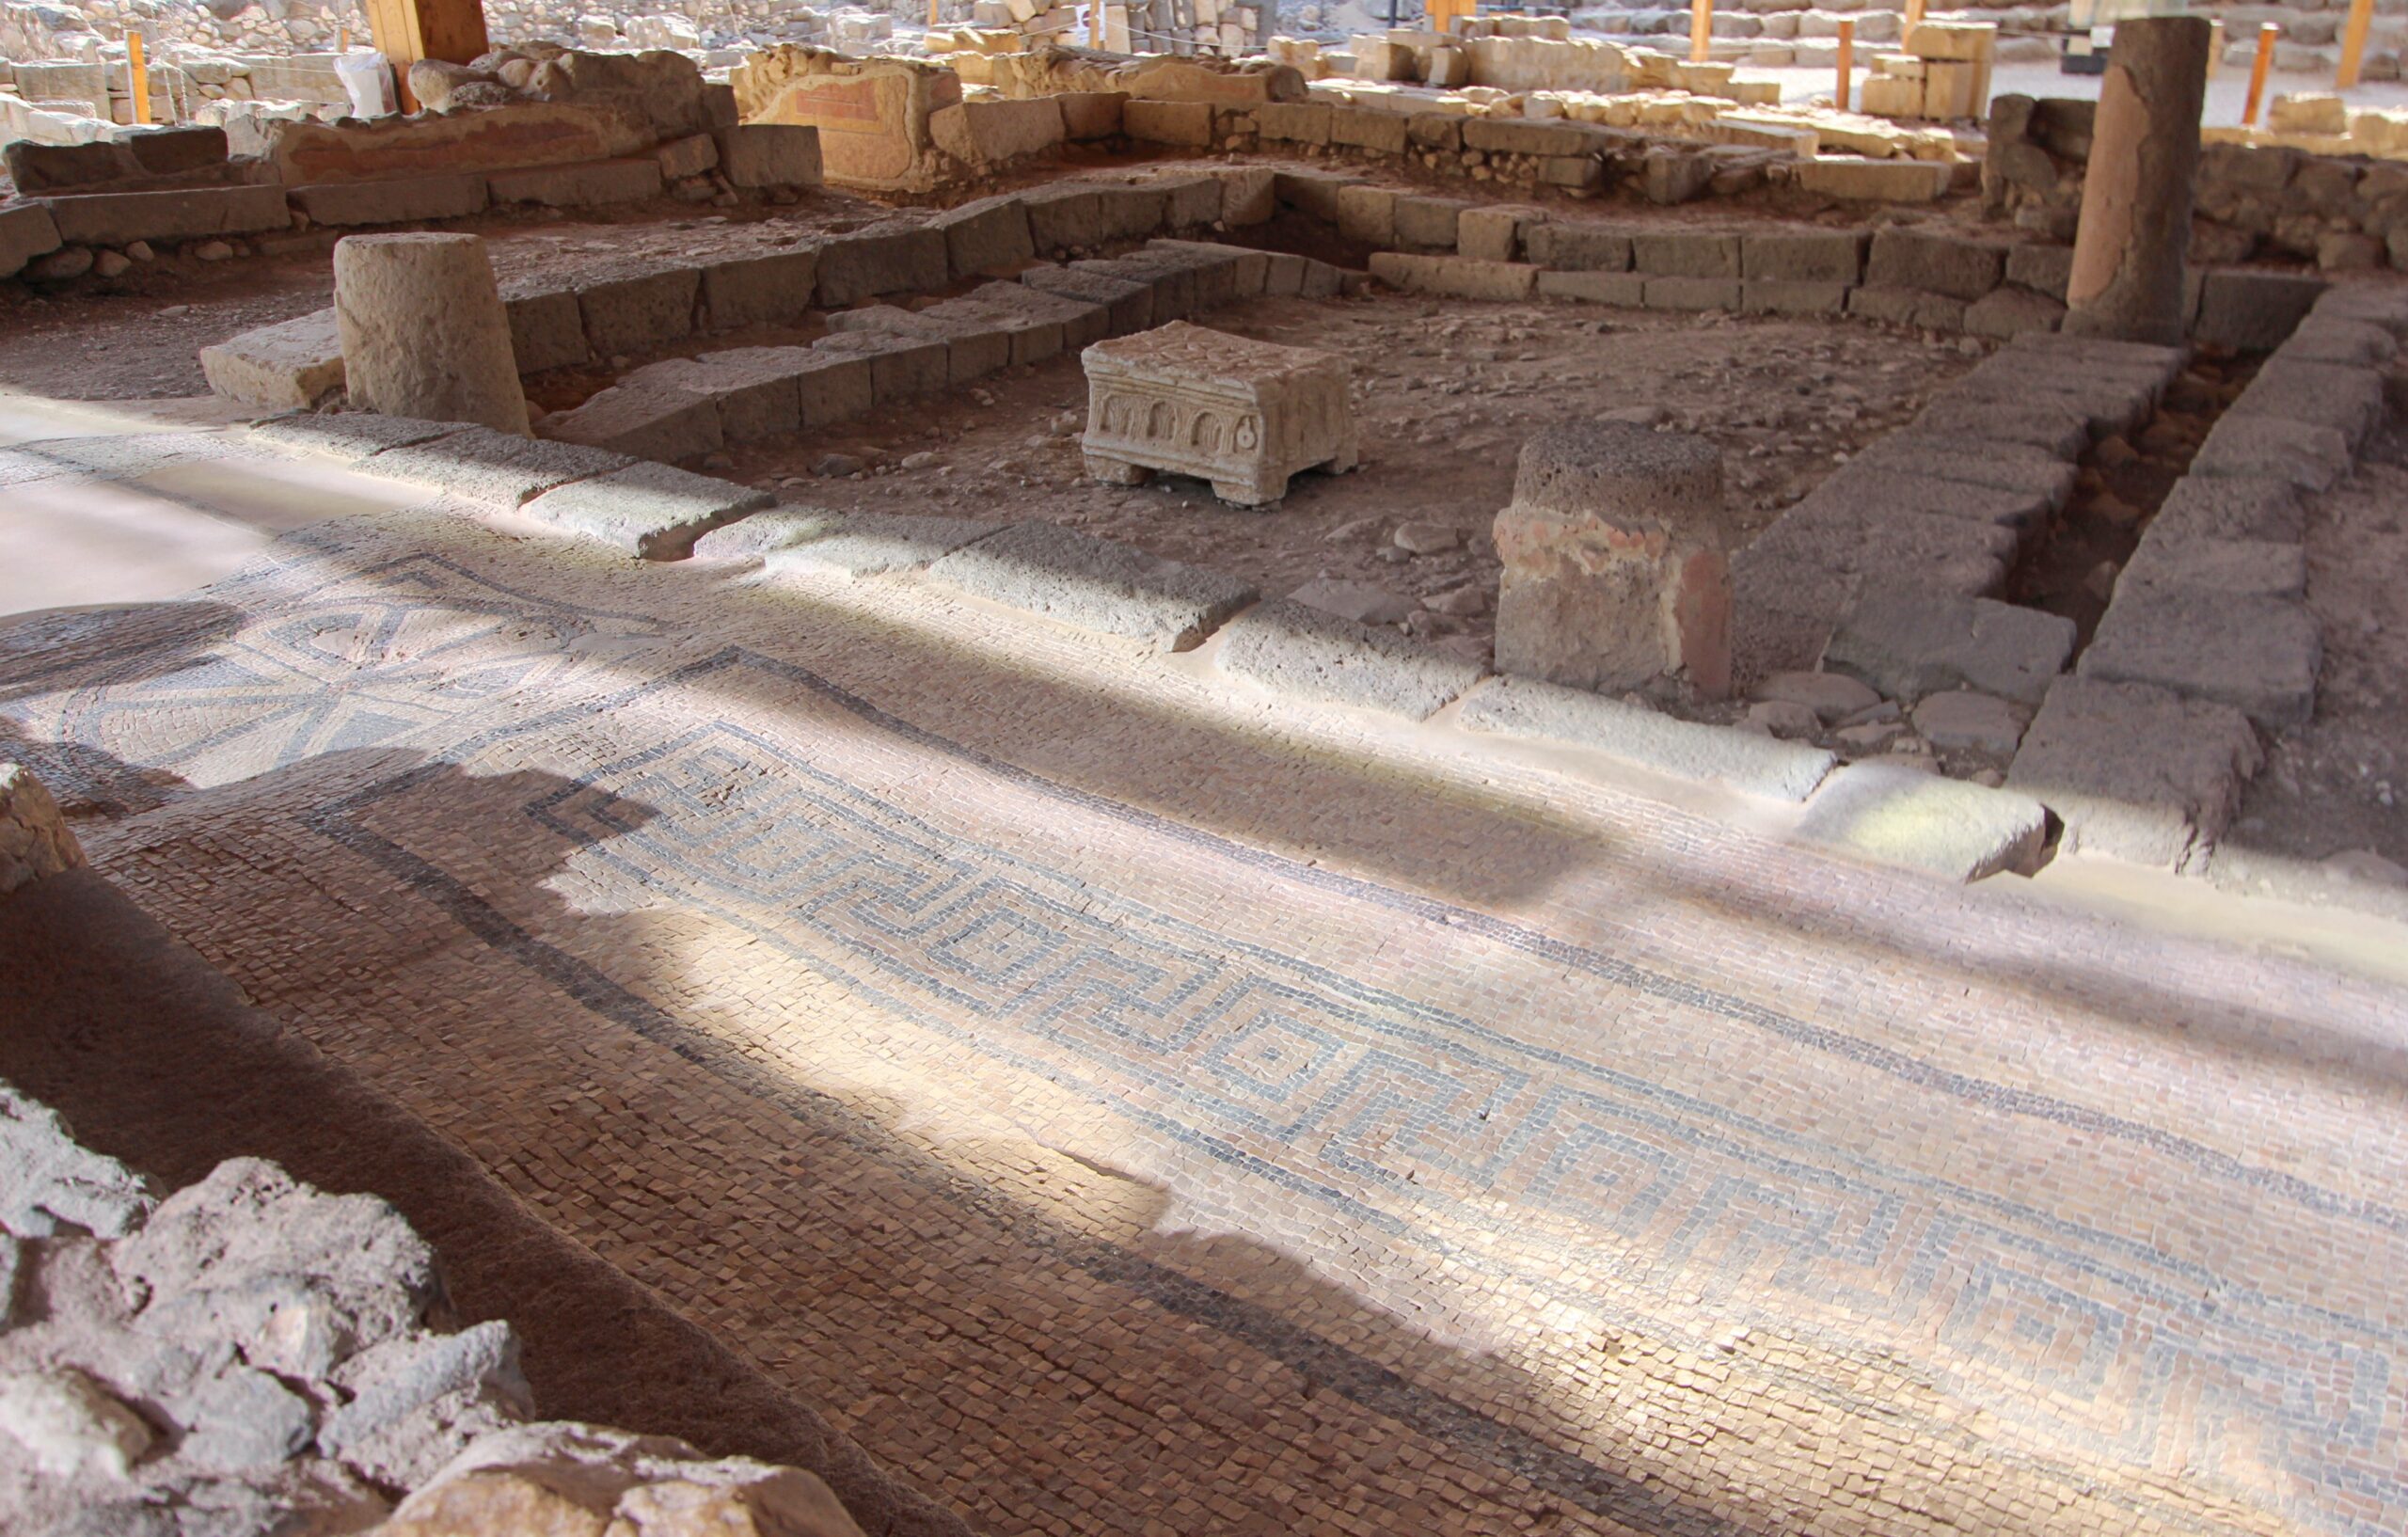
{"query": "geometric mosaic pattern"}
(2174, 1330)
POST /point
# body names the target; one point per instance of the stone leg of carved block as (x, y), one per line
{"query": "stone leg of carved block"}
(1345, 460)
(1250, 492)
(1116, 471)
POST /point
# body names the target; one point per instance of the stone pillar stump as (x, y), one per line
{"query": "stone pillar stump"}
(423, 330)
(2135, 230)
(1617, 567)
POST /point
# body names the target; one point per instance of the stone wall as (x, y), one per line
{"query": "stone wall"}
(2254, 201)
(253, 1356)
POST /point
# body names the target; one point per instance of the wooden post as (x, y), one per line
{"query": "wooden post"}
(2258, 67)
(2353, 43)
(1847, 62)
(137, 77)
(409, 30)
(1701, 30)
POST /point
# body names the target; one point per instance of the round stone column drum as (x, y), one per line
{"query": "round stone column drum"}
(423, 330)
(1616, 556)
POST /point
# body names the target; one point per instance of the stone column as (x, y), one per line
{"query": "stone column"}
(423, 331)
(1617, 569)
(2135, 230)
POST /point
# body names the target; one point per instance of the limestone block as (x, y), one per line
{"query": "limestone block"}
(1945, 826)
(120, 218)
(1836, 257)
(2012, 312)
(841, 544)
(769, 154)
(293, 363)
(640, 310)
(1427, 224)
(989, 133)
(1578, 248)
(1908, 645)
(423, 330)
(2136, 772)
(760, 290)
(1855, 179)
(2253, 310)
(406, 201)
(2258, 655)
(901, 368)
(35, 843)
(1244, 415)
(2230, 507)
(1692, 293)
(1313, 194)
(990, 235)
(1094, 584)
(591, 185)
(652, 510)
(1300, 651)
(1498, 233)
(26, 231)
(1633, 734)
(1685, 254)
(1091, 115)
(1248, 194)
(1367, 128)
(547, 329)
(893, 256)
(1367, 214)
(974, 348)
(1625, 289)
(1961, 269)
(1064, 217)
(1454, 276)
(689, 156)
(1185, 123)
(1789, 296)
(754, 387)
(649, 421)
(1129, 304)
(1615, 561)
(1294, 122)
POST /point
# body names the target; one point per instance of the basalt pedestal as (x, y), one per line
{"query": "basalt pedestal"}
(1616, 562)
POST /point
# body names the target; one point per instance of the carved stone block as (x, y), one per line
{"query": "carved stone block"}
(1243, 415)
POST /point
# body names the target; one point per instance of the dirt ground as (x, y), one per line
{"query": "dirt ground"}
(1444, 396)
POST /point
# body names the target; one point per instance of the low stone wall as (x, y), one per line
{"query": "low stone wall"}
(254, 1356)
(2341, 210)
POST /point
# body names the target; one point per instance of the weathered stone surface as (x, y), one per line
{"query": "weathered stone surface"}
(1625, 289)
(772, 290)
(754, 387)
(69, 1426)
(2230, 507)
(589, 185)
(890, 256)
(1294, 649)
(577, 1480)
(2251, 311)
(973, 347)
(414, 1400)
(648, 509)
(1946, 827)
(2056, 428)
(901, 367)
(1909, 643)
(1963, 721)
(1934, 263)
(1685, 254)
(423, 330)
(244, 1419)
(1454, 276)
(766, 154)
(1244, 415)
(1879, 490)
(845, 544)
(1737, 760)
(296, 362)
(1094, 584)
(547, 329)
(636, 312)
(350, 435)
(1832, 257)
(46, 1177)
(2176, 561)
(404, 200)
(2270, 448)
(991, 235)
(2136, 772)
(120, 218)
(1832, 696)
(1899, 306)
(2007, 313)
(1362, 602)
(2005, 467)
(1563, 247)
(2258, 655)
(651, 419)
(482, 465)
(1777, 297)
(2347, 397)
(1615, 563)
(26, 231)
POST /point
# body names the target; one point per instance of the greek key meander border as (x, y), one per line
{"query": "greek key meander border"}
(1567, 1476)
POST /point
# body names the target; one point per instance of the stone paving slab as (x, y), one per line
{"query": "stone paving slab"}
(351, 435)
(2136, 772)
(1094, 584)
(1909, 643)
(1875, 491)
(2258, 655)
(2040, 422)
(2345, 398)
(1294, 649)
(653, 511)
(2256, 567)
(296, 362)
(845, 544)
(2270, 448)
(1737, 760)
(1917, 818)
(483, 465)
(1971, 461)
(2231, 507)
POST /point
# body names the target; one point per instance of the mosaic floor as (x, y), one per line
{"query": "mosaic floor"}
(1126, 1105)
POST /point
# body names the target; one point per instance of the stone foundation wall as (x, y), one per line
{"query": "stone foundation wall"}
(252, 1356)
(2342, 211)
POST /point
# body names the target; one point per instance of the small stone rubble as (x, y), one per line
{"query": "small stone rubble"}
(251, 1356)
